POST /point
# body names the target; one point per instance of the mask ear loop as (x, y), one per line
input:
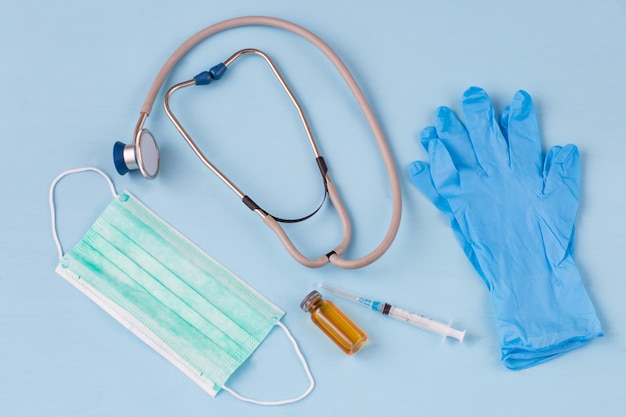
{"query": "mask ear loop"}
(55, 234)
(282, 402)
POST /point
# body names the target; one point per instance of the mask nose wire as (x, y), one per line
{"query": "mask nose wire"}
(55, 234)
(392, 174)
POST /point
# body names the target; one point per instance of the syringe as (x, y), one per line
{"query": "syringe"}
(397, 313)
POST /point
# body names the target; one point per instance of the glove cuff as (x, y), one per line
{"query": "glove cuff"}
(541, 317)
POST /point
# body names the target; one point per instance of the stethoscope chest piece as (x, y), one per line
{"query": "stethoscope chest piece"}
(142, 154)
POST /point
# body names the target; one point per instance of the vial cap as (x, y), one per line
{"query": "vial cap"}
(309, 299)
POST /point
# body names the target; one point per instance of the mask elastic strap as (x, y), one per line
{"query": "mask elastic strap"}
(282, 402)
(55, 234)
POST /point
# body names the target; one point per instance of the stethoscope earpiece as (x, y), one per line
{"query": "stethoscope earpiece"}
(143, 154)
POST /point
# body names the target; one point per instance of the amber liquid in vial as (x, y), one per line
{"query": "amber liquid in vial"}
(337, 326)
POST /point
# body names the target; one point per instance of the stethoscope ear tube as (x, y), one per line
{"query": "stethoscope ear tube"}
(215, 74)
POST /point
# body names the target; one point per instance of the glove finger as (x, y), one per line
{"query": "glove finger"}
(523, 135)
(420, 175)
(561, 185)
(442, 169)
(561, 173)
(504, 122)
(488, 142)
(428, 133)
(547, 163)
(453, 134)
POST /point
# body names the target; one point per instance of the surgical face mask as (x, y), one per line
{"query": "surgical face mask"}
(169, 293)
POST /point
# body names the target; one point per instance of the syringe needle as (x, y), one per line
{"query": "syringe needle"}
(365, 302)
(340, 293)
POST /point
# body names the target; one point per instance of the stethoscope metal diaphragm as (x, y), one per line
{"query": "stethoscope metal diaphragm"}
(142, 154)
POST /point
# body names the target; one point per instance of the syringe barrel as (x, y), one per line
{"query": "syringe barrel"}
(425, 323)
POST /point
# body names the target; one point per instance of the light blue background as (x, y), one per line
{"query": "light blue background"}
(72, 78)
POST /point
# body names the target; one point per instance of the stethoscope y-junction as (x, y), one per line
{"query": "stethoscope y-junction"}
(143, 153)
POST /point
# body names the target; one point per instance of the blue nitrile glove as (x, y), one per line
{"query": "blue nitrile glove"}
(513, 214)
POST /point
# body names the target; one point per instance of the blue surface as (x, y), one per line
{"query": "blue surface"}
(73, 77)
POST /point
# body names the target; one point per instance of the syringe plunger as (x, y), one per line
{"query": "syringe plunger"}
(424, 322)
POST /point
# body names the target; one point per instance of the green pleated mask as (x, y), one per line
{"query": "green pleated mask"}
(170, 293)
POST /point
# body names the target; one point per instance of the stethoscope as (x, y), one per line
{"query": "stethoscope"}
(143, 153)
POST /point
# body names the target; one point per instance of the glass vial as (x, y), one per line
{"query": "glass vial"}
(339, 328)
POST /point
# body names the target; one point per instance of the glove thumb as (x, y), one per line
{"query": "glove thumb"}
(561, 188)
